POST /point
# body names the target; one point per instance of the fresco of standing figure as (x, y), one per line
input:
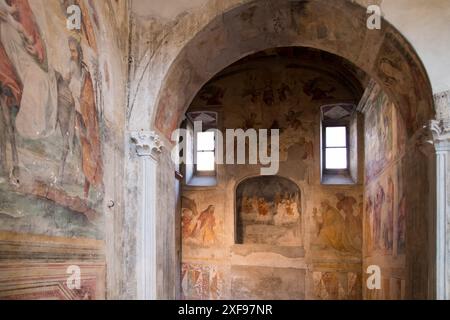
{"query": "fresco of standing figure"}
(87, 129)
(23, 67)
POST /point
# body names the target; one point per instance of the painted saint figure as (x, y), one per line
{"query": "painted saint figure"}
(353, 219)
(377, 213)
(286, 211)
(204, 229)
(86, 120)
(332, 229)
(198, 228)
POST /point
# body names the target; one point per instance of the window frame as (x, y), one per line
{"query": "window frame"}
(333, 124)
(204, 173)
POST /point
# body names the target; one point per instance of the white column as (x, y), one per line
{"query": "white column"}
(441, 135)
(148, 147)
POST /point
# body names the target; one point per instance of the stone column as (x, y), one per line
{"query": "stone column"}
(148, 148)
(441, 136)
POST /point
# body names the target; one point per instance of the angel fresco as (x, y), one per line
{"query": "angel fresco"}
(287, 212)
(26, 86)
(293, 119)
(312, 88)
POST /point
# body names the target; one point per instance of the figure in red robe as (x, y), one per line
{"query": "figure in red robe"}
(87, 125)
(23, 61)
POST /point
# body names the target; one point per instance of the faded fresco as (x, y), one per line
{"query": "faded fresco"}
(337, 224)
(385, 211)
(52, 179)
(268, 212)
(273, 232)
(198, 227)
(201, 282)
(391, 191)
(403, 79)
(385, 133)
(385, 219)
(282, 95)
(337, 285)
(57, 118)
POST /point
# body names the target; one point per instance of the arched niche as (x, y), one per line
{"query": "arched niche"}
(268, 212)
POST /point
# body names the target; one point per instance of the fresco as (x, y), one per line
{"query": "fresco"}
(257, 225)
(400, 73)
(385, 133)
(201, 282)
(389, 57)
(337, 285)
(385, 197)
(198, 228)
(385, 213)
(280, 95)
(337, 224)
(212, 95)
(268, 211)
(51, 119)
(391, 191)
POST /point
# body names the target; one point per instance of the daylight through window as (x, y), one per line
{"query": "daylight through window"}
(205, 151)
(336, 148)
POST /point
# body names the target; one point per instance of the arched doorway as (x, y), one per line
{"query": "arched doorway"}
(383, 54)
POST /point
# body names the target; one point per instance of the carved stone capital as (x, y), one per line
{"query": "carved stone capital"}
(147, 143)
(440, 130)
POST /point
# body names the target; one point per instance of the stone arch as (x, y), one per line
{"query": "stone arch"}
(338, 27)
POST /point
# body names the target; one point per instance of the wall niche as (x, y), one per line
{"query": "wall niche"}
(268, 212)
